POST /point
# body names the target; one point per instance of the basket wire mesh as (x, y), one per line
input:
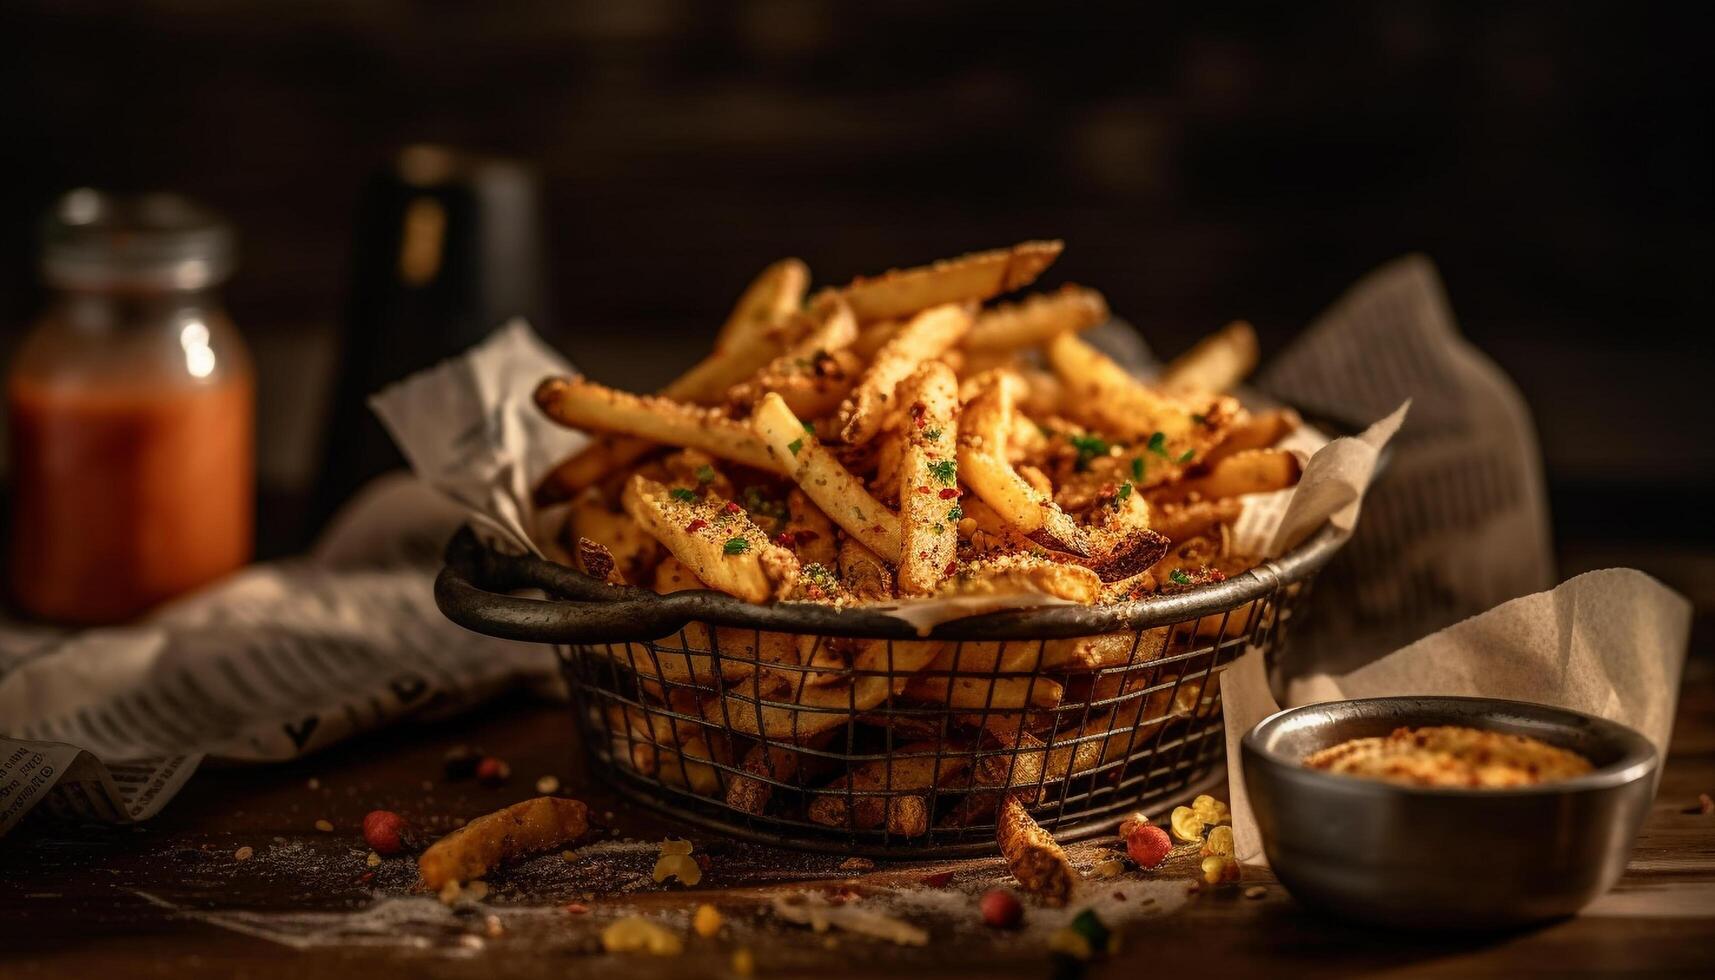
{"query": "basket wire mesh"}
(853, 745)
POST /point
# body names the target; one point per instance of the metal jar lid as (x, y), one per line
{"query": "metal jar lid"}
(95, 240)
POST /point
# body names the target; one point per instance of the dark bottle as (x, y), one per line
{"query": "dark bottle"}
(447, 247)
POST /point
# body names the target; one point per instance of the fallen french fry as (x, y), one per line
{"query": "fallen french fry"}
(977, 276)
(545, 823)
(1033, 856)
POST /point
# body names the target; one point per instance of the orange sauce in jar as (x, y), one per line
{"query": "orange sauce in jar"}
(127, 496)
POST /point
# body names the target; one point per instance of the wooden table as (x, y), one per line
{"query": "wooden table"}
(170, 899)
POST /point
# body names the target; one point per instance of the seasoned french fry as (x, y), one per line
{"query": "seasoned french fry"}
(1037, 319)
(977, 276)
(926, 336)
(542, 824)
(724, 550)
(1015, 574)
(915, 766)
(983, 430)
(1252, 471)
(634, 552)
(810, 710)
(1258, 431)
(965, 676)
(842, 496)
(765, 765)
(583, 404)
(865, 575)
(1214, 364)
(775, 294)
(810, 531)
(1179, 522)
(816, 371)
(928, 487)
(597, 562)
(1105, 650)
(1033, 856)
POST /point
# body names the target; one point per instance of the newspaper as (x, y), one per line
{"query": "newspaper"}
(291, 657)
(278, 661)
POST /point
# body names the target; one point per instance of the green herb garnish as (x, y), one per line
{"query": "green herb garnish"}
(1088, 447)
(1158, 444)
(1186, 456)
(1137, 468)
(795, 445)
(735, 546)
(956, 514)
(945, 471)
(705, 473)
(931, 434)
(809, 429)
(1123, 492)
(680, 493)
(1199, 419)
(1178, 576)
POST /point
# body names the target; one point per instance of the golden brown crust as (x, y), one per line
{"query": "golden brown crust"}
(1033, 856)
(1451, 756)
(545, 823)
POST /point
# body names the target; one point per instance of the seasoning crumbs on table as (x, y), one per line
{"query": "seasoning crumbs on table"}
(325, 826)
(244, 853)
(1255, 891)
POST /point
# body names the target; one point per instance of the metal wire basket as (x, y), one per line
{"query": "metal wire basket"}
(681, 706)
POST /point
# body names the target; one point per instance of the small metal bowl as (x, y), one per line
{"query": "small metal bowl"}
(1465, 859)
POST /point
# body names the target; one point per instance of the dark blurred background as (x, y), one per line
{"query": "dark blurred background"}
(1553, 158)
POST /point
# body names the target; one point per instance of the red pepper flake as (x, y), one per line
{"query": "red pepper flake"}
(939, 879)
(696, 525)
(785, 539)
(702, 861)
(577, 908)
(952, 567)
(732, 507)
(919, 411)
(365, 878)
(924, 490)
(805, 537)
(949, 493)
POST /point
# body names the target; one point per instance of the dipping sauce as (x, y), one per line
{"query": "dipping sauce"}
(1451, 756)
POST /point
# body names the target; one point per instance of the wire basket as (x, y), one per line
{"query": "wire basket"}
(873, 740)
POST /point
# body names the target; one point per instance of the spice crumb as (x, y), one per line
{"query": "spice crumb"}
(1255, 891)
(548, 785)
(493, 927)
(373, 859)
(568, 856)
(244, 853)
(1704, 806)
(324, 826)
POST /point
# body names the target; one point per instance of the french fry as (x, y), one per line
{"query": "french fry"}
(816, 371)
(812, 710)
(842, 496)
(927, 335)
(545, 823)
(928, 487)
(1258, 431)
(1037, 319)
(1023, 574)
(915, 766)
(597, 562)
(1216, 363)
(766, 764)
(602, 457)
(583, 404)
(725, 550)
(865, 575)
(776, 293)
(1252, 471)
(1179, 522)
(977, 276)
(1111, 399)
(811, 533)
(1033, 856)
(1105, 650)
(966, 676)
(984, 426)
(635, 553)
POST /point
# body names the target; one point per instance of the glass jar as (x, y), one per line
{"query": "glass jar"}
(132, 414)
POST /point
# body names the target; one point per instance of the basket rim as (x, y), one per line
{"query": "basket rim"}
(472, 588)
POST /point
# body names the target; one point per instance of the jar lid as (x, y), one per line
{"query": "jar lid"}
(95, 240)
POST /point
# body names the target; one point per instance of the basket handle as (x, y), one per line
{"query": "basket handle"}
(470, 592)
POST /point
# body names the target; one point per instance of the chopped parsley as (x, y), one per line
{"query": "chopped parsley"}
(1122, 493)
(1186, 456)
(931, 434)
(1178, 576)
(1137, 468)
(1199, 419)
(809, 429)
(735, 546)
(705, 473)
(1158, 445)
(1088, 447)
(956, 513)
(680, 493)
(795, 445)
(944, 470)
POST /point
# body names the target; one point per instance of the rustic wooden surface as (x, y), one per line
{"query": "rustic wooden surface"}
(168, 899)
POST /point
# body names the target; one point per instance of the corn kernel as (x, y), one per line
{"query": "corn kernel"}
(1217, 870)
(1187, 825)
(635, 934)
(706, 921)
(1219, 844)
(1211, 810)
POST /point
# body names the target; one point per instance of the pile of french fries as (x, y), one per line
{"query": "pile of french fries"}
(906, 437)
